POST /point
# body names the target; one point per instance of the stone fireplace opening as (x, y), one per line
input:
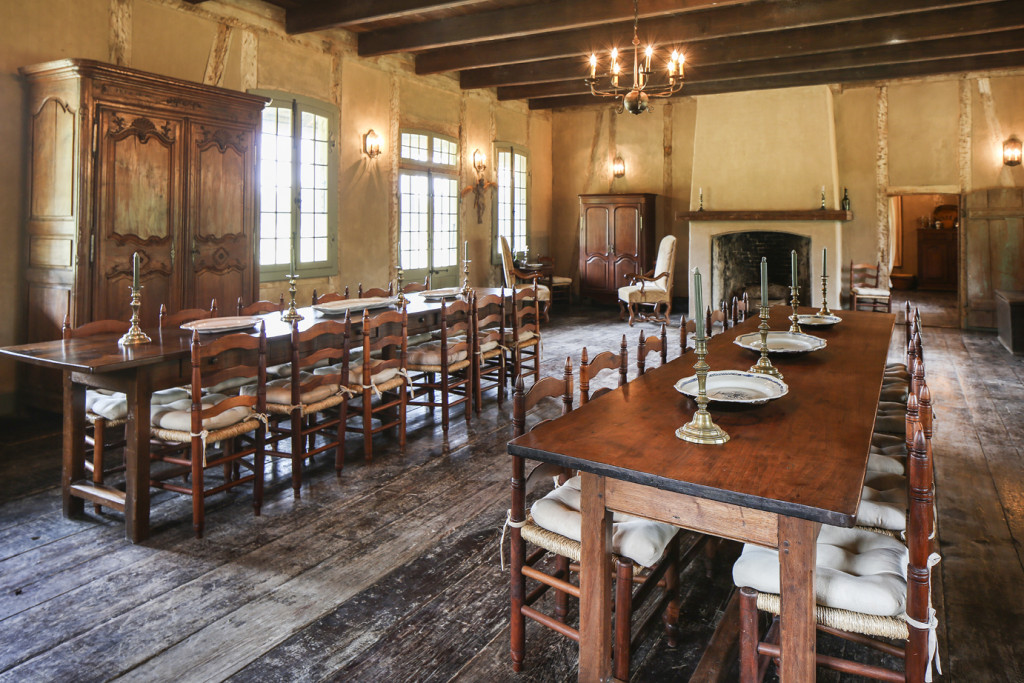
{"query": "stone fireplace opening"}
(736, 265)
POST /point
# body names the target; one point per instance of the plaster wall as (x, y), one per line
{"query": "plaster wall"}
(242, 44)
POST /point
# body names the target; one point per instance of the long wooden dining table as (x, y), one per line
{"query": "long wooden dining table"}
(138, 371)
(790, 466)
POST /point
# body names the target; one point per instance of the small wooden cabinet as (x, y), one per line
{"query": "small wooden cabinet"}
(616, 238)
(936, 259)
(121, 161)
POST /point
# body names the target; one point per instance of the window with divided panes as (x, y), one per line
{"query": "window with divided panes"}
(428, 208)
(298, 184)
(511, 215)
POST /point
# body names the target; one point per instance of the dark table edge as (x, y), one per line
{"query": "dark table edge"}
(724, 496)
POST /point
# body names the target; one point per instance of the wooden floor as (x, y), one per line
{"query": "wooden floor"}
(392, 572)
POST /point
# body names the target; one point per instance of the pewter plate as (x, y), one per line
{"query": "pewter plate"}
(818, 320)
(339, 307)
(225, 324)
(446, 293)
(736, 386)
(781, 342)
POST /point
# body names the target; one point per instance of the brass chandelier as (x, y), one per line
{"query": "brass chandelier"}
(634, 99)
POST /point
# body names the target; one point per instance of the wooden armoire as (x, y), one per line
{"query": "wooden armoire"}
(616, 238)
(121, 161)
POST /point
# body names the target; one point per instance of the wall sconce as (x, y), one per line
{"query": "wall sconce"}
(479, 161)
(1012, 151)
(371, 144)
(618, 167)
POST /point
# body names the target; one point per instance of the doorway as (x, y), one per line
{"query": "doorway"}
(925, 242)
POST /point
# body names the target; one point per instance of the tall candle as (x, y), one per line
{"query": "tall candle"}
(792, 265)
(135, 270)
(465, 250)
(698, 304)
(824, 261)
(764, 282)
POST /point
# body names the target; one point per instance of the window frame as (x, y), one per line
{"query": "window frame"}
(431, 169)
(514, 149)
(329, 267)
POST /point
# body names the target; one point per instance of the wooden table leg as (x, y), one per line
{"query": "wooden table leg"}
(136, 457)
(595, 582)
(73, 448)
(797, 556)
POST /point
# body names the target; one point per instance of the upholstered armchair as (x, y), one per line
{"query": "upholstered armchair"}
(653, 289)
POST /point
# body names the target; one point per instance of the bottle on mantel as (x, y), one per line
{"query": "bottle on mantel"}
(846, 200)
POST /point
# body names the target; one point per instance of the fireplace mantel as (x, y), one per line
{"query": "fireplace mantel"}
(766, 215)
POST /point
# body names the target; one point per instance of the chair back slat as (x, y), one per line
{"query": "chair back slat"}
(92, 329)
(260, 307)
(651, 344)
(186, 315)
(606, 360)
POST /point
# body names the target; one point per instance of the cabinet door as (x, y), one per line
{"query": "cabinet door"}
(221, 239)
(138, 199)
(595, 248)
(628, 224)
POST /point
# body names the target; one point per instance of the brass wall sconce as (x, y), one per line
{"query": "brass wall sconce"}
(618, 167)
(479, 161)
(371, 144)
(1012, 151)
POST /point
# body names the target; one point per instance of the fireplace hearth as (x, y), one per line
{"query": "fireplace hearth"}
(736, 265)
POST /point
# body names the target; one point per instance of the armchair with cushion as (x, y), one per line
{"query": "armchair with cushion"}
(653, 289)
(513, 276)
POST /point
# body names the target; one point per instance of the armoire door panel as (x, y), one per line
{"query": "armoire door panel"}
(595, 272)
(221, 187)
(596, 230)
(137, 209)
(627, 230)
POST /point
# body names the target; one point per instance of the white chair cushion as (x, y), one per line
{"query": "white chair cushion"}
(430, 353)
(666, 262)
(857, 570)
(524, 335)
(113, 405)
(279, 390)
(887, 441)
(228, 385)
(883, 509)
(178, 415)
(652, 294)
(861, 290)
(355, 375)
(543, 293)
(560, 280)
(891, 424)
(641, 540)
(885, 464)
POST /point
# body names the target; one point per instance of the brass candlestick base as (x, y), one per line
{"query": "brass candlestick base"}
(824, 296)
(702, 429)
(764, 365)
(291, 314)
(401, 295)
(466, 290)
(135, 335)
(794, 327)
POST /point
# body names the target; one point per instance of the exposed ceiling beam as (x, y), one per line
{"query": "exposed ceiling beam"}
(702, 26)
(873, 73)
(512, 22)
(825, 41)
(325, 14)
(942, 49)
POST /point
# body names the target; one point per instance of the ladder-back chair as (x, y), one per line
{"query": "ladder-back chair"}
(488, 352)
(866, 288)
(606, 360)
(651, 344)
(443, 366)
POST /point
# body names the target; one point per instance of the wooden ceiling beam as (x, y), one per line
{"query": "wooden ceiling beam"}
(907, 53)
(325, 14)
(698, 26)
(824, 41)
(514, 22)
(841, 76)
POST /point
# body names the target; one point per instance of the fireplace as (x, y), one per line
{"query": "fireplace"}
(736, 265)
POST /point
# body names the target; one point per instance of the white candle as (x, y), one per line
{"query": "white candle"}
(465, 250)
(764, 282)
(698, 304)
(824, 261)
(135, 270)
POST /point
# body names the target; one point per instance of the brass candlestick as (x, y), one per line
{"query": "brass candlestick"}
(135, 335)
(794, 327)
(466, 290)
(764, 365)
(291, 314)
(702, 429)
(824, 296)
(401, 295)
